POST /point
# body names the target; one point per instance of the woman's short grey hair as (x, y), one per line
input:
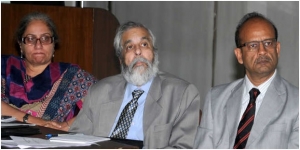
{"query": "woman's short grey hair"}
(126, 26)
(36, 16)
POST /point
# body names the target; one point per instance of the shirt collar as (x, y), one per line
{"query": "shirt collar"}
(262, 87)
(144, 87)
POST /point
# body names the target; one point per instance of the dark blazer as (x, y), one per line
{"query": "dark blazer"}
(276, 124)
(171, 112)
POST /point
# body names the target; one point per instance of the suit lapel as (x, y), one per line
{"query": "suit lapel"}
(116, 98)
(233, 111)
(270, 108)
(152, 108)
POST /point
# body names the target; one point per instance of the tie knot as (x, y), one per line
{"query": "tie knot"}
(137, 93)
(253, 94)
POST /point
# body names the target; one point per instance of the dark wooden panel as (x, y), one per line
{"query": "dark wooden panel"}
(86, 35)
(104, 55)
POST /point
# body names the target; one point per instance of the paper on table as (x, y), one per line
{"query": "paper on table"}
(9, 143)
(26, 142)
(78, 138)
(4, 124)
(7, 119)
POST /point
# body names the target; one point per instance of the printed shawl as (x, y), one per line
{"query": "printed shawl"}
(55, 94)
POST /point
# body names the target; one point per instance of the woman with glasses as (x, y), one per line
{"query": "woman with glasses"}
(33, 88)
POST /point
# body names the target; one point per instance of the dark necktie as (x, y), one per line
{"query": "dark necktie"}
(126, 116)
(246, 121)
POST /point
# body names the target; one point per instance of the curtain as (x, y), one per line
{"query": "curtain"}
(195, 39)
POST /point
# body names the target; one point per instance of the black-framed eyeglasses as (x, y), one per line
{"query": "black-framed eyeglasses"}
(254, 45)
(44, 40)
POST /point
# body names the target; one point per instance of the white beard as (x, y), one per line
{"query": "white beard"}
(140, 75)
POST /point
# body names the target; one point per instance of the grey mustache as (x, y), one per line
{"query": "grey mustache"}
(140, 59)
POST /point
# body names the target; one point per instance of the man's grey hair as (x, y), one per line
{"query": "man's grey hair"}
(126, 26)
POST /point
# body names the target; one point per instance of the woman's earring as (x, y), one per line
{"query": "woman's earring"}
(21, 54)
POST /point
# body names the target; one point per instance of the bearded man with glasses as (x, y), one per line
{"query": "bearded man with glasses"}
(259, 111)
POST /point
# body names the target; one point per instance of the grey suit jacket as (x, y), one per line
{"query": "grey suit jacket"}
(276, 124)
(171, 112)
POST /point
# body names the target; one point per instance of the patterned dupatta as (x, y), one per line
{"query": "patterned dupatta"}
(55, 94)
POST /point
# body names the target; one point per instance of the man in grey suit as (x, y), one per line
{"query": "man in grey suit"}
(270, 119)
(167, 111)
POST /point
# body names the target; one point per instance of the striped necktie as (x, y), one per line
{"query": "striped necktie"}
(246, 122)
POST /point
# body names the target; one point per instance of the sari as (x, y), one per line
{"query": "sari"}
(55, 94)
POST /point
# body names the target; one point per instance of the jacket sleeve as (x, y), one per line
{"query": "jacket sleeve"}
(185, 127)
(294, 137)
(204, 136)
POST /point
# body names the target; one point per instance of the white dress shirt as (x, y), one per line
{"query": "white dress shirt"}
(246, 96)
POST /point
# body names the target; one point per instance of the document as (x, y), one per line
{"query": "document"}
(9, 143)
(4, 124)
(7, 119)
(78, 138)
(62, 140)
(26, 142)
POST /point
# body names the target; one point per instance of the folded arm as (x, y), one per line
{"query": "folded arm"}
(8, 110)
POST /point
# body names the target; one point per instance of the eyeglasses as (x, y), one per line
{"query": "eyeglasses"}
(254, 45)
(31, 40)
